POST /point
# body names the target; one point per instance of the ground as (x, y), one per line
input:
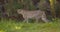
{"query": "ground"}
(13, 26)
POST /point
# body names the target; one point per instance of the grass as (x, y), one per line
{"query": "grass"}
(13, 26)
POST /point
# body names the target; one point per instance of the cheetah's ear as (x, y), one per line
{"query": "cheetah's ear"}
(19, 10)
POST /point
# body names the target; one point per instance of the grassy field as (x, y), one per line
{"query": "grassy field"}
(13, 26)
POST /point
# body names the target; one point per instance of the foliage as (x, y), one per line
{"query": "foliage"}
(43, 5)
(13, 26)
